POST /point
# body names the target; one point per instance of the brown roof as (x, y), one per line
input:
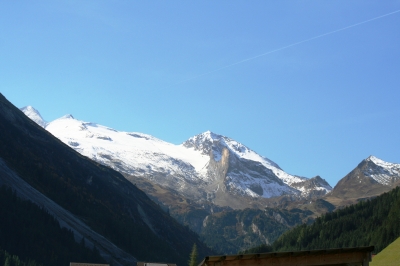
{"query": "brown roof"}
(86, 264)
(142, 263)
(309, 257)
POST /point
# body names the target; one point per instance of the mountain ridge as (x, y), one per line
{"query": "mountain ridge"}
(196, 162)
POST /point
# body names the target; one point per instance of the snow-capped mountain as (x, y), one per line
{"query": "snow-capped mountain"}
(382, 172)
(34, 115)
(246, 172)
(370, 178)
(206, 167)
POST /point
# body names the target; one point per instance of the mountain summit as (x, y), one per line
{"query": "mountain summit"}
(370, 178)
(247, 173)
(382, 172)
(208, 141)
(34, 114)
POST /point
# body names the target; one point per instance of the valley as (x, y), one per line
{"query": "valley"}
(210, 177)
(199, 133)
(211, 190)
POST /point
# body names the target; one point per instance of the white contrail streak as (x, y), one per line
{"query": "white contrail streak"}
(287, 46)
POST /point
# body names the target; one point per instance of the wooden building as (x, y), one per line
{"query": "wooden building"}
(154, 264)
(86, 264)
(360, 256)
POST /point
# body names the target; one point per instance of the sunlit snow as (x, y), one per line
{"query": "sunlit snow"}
(132, 148)
(385, 172)
(144, 155)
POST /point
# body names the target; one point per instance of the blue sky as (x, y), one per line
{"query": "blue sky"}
(174, 69)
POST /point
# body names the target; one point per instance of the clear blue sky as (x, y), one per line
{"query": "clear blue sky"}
(174, 69)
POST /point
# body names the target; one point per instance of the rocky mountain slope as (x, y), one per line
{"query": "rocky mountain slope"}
(237, 230)
(370, 178)
(207, 168)
(95, 198)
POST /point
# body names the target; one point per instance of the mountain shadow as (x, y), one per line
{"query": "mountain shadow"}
(98, 195)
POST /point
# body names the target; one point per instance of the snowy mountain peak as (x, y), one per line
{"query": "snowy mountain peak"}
(250, 173)
(68, 116)
(383, 172)
(209, 135)
(208, 142)
(373, 159)
(34, 115)
(203, 142)
(380, 162)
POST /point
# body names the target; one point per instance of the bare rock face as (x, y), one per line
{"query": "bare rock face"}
(217, 169)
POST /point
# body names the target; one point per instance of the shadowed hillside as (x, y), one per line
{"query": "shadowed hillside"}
(33, 234)
(100, 196)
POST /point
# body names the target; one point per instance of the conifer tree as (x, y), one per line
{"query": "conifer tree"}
(8, 261)
(193, 256)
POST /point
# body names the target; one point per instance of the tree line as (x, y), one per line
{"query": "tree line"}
(374, 222)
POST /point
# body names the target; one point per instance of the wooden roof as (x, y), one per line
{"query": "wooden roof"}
(341, 256)
(142, 263)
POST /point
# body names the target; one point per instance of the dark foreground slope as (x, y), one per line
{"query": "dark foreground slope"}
(33, 234)
(9, 259)
(369, 223)
(99, 196)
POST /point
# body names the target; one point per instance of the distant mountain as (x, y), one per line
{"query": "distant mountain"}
(34, 114)
(207, 168)
(370, 178)
(92, 200)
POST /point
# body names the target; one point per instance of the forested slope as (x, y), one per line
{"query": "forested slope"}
(369, 223)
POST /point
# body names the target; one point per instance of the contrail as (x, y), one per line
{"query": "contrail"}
(287, 46)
